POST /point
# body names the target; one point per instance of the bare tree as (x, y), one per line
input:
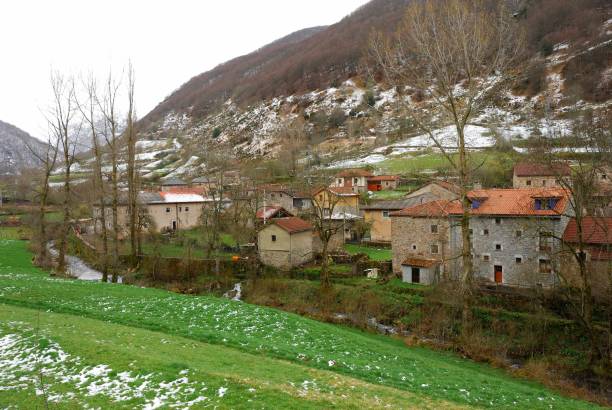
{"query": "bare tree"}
(132, 176)
(89, 113)
(107, 105)
(588, 200)
(324, 205)
(455, 54)
(48, 161)
(65, 129)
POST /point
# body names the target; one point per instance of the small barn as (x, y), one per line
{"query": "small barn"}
(285, 242)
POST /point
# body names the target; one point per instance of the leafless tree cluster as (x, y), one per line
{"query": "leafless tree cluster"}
(456, 54)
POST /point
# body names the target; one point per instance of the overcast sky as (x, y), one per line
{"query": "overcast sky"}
(168, 42)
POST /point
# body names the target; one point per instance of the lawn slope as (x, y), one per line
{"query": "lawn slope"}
(427, 375)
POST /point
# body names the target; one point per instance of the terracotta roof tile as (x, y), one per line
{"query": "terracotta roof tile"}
(530, 169)
(420, 262)
(597, 231)
(293, 224)
(271, 212)
(356, 172)
(439, 208)
(502, 202)
(383, 178)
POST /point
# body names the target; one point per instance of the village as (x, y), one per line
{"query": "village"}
(520, 236)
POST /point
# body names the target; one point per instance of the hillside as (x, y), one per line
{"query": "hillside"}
(15, 153)
(95, 343)
(315, 80)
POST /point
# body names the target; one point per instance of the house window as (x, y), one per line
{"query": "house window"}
(434, 248)
(471, 232)
(604, 176)
(186, 209)
(497, 221)
(475, 204)
(486, 257)
(340, 181)
(545, 203)
(434, 228)
(518, 234)
(545, 241)
(543, 182)
(167, 210)
(414, 247)
(271, 195)
(273, 238)
(528, 182)
(385, 214)
(518, 259)
(545, 266)
(498, 247)
(355, 181)
(485, 232)
(180, 208)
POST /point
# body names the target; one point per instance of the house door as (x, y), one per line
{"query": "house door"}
(416, 275)
(498, 274)
(174, 225)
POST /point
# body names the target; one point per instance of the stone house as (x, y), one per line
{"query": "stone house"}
(534, 175)
(420, 241)
(437, 188)
(277, 195)
(337, 200)
(355, 179)
(513, 234)
(169, 184)
(381, 182)
(596, 234)
(166, 210)
(285, 243)
(378, 215)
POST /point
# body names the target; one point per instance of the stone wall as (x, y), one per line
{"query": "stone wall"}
(414, 237)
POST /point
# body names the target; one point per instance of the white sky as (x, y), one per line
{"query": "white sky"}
(168, 42)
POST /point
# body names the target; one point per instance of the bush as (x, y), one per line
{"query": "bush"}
(337, 118)
(216, 132)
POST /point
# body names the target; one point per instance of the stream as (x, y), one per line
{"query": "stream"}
(78, 269)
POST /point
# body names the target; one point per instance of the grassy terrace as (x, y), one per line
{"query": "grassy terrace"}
(99, 343)
(373, 253)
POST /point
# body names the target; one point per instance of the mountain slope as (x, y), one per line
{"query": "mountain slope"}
(305, 60)
(15, 149)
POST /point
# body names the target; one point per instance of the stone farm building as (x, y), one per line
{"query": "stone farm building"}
(286, 242)
(535, 175)
(512, 232)
(166, 210)
(378, 214)
(354, 179)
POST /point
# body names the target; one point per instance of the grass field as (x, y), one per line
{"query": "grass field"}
(373, 253)
(121, 346)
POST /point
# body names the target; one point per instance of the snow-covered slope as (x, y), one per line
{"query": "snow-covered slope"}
(16, 148)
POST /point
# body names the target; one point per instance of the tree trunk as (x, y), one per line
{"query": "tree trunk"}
(115, 205)
(466, 243)
(324, 276)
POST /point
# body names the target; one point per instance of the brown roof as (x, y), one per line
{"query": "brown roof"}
(341, 190)
(597, 231)
(383, 178)
(271, 212)
(518, 202)
(439, 208)
(530, 169)
(293, 224)
(396, 205)
(356, 172)
(502, 202)
(449, 186)
(420, 262)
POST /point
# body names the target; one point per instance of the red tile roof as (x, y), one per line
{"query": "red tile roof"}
(293, 224)
(439, 208)
(271, 212)
(518, 202)
(528, 169)
(420, 262)
(383, 178)
(502, 202)
(596, 231)
(356, 172)
(342, 191)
